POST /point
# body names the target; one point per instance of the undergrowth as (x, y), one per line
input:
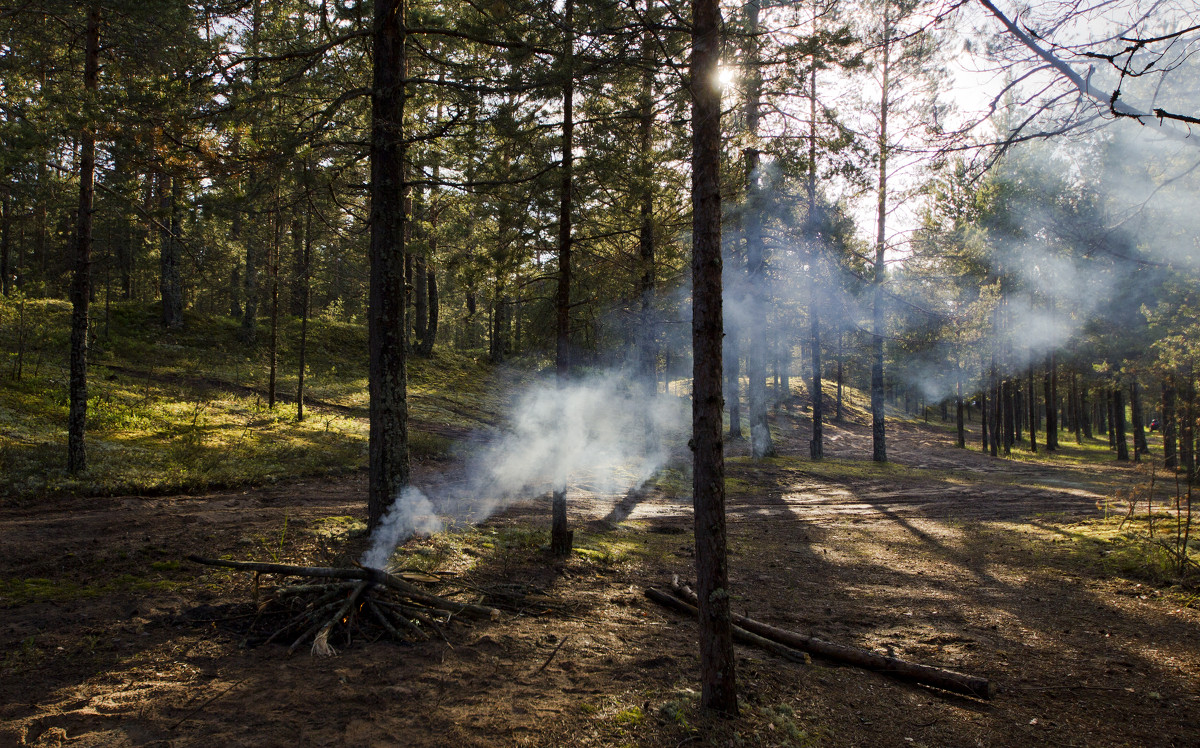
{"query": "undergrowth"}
(186, 410)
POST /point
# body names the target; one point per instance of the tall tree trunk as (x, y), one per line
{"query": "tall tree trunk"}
(1050, 395)
(960, 426)
(878, 421)
(273, 266)
(761, 444)
(1112, 418)
(838, 412)
(983, 403)
(1139, 429)
(1085, 409)
(1170, 460)
(560, 536)
(170, 195)
(647, 348)
(6, 245)
(718, 690)
(305, 304)
(389, 468)
(1187, 423)
(1032, 409)
(81, 279)
(1119, 419)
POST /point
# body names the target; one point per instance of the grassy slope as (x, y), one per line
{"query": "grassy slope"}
(187, 410)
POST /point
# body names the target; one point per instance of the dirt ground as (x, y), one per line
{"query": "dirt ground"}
(951, 559)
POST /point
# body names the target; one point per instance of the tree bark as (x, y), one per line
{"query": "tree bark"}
(1139, 431)
(389, 469)
(6, 245)
(1118, 396)
(1050, 395)
(878, 420)
(717, 680)
(560, 536)
(273, 267)
(1032, 409)
(1170, 458)
(81, 279)
(761, 444)
(305, 299)
(960, 427)
(170, 289)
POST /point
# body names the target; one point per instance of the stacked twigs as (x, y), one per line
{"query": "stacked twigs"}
(792, 645)
(370, 603)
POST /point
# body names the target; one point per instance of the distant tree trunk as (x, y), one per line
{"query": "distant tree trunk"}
(273, 266)
(1050, 393)
(1032, 409)
(733, 381)
(761, 444)
(838, 413)
(1170, 460)
(81, 279)
(1010, 433)
(647, 347)
(249, 330)
(718, 689)
(389, 469)
(1085, 409)
(961, 429)
(170, 195)
(1139, 429)
(6, 245)
(1119, 411)
(983, 403)
(878, 421)
(1187, 431)
(995, 416)
(1112, 418)
(560, 536)
(305, 303)
(296, 300)
(1076, 409)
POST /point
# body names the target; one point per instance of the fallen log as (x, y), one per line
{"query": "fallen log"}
(947, 680)
(739, 633)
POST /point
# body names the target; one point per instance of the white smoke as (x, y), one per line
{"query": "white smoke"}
(410, 514)
(606, 434)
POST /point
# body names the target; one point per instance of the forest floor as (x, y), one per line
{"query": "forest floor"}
(1013, 570)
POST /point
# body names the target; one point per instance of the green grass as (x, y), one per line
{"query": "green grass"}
(186, 410)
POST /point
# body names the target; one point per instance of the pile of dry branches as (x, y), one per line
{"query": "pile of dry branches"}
(370, 603)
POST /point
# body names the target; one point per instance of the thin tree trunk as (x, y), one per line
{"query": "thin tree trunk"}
(6, 245)
(983, 403)
(961, 429)
(1187, 442)
(1119, 412)
(560, 536)
(305, 304)
(273, 264)
(170, 195)
(81, 279)
(647, 347)
(718, 690)
(389, 469)
(1139, 432)
(1170, 458)
(761, 444)
(1085, 409)
(878, 421)
(1032, 409)
(1050, 396)
(838, 413)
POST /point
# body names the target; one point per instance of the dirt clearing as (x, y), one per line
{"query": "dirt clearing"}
(944, 557)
